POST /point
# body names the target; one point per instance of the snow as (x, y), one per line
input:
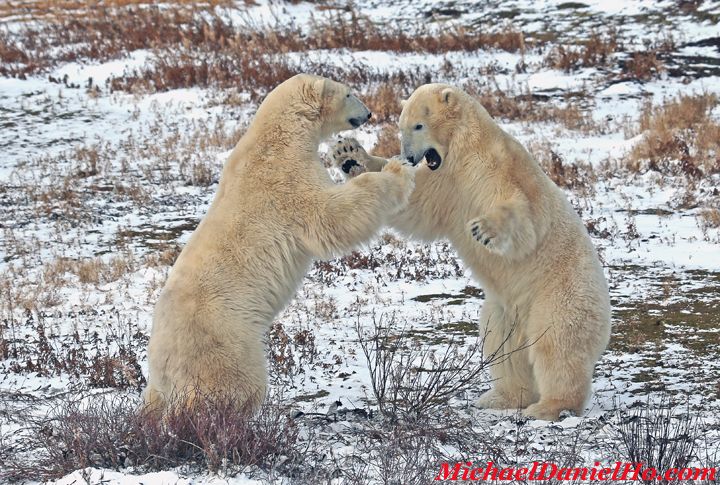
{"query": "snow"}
(91, 476)
(672, 260)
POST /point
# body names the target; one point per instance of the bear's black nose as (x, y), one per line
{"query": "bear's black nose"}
(369, 115)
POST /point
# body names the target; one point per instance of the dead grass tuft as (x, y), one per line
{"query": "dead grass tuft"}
(644, 66)
(566, 175)
(597, 51)
(384, 102)
(710, 218)
(388, 142)
(679, 137)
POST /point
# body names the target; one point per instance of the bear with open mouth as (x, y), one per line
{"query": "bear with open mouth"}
(547, 304)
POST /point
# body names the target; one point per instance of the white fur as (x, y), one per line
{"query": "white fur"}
(528, 248)
(275, 211)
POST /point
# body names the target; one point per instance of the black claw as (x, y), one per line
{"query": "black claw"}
(348, 165)
(486, 241)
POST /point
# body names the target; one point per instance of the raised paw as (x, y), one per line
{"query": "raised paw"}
(347, 154)
(487, 233)
(406, 174)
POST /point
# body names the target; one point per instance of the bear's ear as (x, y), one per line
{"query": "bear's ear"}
(448, 97)
(320, 86)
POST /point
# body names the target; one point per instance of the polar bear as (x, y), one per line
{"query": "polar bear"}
(275, 211)
(547, 304)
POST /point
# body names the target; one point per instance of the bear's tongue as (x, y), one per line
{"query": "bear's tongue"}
(432, 157)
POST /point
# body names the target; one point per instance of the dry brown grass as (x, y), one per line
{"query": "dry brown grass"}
(523, 106)
(710, 218)
(388, 142)
(643, 66)
(198, 46)
(103, 33)
(570, 175)
(679, 136)
(602, 51)
(359, 32)
(384, 102)
(597, 51)
(55, 9)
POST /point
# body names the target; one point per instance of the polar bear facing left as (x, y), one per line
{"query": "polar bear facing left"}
(547, 306)
(275, 211)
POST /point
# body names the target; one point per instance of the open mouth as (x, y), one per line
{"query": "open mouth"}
(433, 159)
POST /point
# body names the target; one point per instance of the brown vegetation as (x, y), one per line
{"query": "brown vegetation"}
(597, 51)
(679, 137)
(107, 431)
(606, 51)
(388, 142)
(201, 50)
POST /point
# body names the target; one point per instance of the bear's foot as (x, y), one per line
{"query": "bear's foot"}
(493, 399)
(348, 155)
(545, 410)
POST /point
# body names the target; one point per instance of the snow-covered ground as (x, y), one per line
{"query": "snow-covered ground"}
(99, 189)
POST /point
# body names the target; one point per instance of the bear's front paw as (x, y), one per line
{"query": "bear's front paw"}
(347, 154)
(489, 234)
(406, 172)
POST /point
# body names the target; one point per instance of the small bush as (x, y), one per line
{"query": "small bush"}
(658, 437)
(679, 137)
(115, 431)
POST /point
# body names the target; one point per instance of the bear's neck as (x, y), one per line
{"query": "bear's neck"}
(287, 140)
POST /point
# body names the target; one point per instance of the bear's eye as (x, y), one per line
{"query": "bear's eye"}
(418, 127)
(347, 95)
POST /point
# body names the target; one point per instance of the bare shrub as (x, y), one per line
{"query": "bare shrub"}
(409, 382)
(658, 437)
(115, 431)
(400, 453)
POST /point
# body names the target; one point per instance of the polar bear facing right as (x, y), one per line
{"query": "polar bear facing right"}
(276, 210)
(546, 293)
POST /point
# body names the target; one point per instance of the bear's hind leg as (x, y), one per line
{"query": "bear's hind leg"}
(513, 386)
(563, 379)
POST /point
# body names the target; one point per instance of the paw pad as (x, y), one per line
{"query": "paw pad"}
(348, 165)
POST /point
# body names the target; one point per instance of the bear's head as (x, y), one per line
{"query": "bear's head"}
(329, 103)
(428, 121)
